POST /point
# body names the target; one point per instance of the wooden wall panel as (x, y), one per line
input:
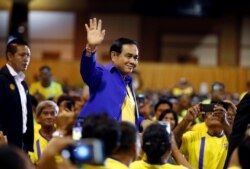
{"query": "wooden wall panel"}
(154, 75)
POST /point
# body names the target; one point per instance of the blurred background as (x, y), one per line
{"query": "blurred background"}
(201, 40)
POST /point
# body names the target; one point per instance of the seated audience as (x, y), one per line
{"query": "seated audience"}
(46, 88)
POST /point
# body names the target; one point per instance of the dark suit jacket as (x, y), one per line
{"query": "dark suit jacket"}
(11, 112)
(241, 121)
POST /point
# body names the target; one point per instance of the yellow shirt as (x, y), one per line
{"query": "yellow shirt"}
(202, 127)
(234, 167)
(204, 151)
(114, 164)
(128, 107)
(54, 90)
(143, 165)
(39, 145)
(243, 94)
(88, 166)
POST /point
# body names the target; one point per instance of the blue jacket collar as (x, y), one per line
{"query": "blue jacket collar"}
(111, 67)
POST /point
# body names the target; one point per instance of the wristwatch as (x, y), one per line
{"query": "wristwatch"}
(57, 134)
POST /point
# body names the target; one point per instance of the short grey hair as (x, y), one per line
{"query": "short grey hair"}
(44, 104)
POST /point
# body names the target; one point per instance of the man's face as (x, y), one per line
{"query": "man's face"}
(45, 75)
(169, 117)
(212, 120)
(47, 117)
(21, 59)
(127, 60)
(160, 109)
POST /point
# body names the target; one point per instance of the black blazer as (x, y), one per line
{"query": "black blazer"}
(241, 120)
(11, 112)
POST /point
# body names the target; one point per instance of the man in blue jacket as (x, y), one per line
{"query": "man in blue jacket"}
(110, 86)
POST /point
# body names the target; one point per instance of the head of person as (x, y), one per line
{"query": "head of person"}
(66, 102)
(248, 85)
(46, 112)
(212, 120)
(170, 116)
(244, 152)
(184, 101)
(218, 91)
(13, 158)
(18, 55)
(130, 141)
(124, 55)
(45, 75)
(161, 105)
(156, 143)
(100, 126)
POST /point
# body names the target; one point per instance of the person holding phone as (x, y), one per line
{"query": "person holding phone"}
(206, 150)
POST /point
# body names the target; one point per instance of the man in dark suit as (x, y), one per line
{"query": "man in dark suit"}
(242, 119)
(16, 121)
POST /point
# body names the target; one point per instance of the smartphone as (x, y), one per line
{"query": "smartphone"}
(167, 125)
(69, 105)
(223, 104)
(140, 100)
(77, 129)
(207, 107)
(85, 151)
(77, 132)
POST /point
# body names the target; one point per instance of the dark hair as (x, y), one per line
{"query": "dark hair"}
(12, 158)
(102, 127)
(44, 67)
(155, 142)
(12, 45)
(244, 152)
(169, 111)
(117, 44)
(163, 101)
(65, 98)
(128, 135)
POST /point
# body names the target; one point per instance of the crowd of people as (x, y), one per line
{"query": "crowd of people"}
(114, 126)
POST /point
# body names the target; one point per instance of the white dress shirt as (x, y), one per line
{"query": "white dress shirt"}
(19, 77)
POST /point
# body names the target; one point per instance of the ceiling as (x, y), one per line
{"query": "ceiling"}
(48, 4)
(141, 7)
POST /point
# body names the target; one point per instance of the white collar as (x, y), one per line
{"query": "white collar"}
(19, 75)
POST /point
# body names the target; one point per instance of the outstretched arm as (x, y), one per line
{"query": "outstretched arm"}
(179, 158)
(88, 68)
(192, 113)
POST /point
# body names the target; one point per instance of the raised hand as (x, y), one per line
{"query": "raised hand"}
(193, 112)
(95, 34)
(3, 138)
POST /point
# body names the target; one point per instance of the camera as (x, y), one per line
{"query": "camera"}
(140, 99)
(69, 105)
(167, 125)
(210, 107)
(85, 151)
(223, 104)
(77, 129)
(207, 107)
